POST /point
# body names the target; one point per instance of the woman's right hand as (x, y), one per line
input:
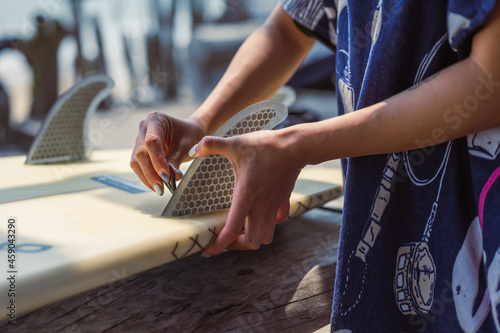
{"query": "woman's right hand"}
(163, 141)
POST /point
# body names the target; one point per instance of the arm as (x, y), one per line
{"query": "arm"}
(429, 113)
(266, 60)
(459, 100)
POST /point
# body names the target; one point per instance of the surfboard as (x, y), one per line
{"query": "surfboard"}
(80, 222)
(69, 228)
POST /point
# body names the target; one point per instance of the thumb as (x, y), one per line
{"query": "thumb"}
(211, 145)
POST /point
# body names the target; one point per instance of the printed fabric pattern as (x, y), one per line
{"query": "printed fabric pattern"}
(420, 238)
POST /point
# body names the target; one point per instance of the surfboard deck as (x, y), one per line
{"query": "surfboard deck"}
(82, 225)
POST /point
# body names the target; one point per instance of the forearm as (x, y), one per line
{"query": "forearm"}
(265, 62)
(460, 100)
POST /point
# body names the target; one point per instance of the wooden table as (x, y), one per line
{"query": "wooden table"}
(285, 286)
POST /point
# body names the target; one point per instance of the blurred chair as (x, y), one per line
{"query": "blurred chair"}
(40, 52)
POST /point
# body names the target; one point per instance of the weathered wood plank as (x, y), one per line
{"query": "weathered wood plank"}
(285, 286)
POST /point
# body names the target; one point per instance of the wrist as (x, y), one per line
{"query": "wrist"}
(291, 141)
(312, 143)
(201, 122)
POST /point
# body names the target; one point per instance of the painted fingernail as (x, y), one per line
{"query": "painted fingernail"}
(168, 181)
(178, 171)
(165, 178)
(158, 189)
(192, 152)
(171, 185)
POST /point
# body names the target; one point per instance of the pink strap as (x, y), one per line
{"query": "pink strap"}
(494, 176)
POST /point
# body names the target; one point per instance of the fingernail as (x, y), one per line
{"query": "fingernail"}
(204, 256)
(158, 189)
(169, 181)
(165, 178)
(178, 171)
(192, 152)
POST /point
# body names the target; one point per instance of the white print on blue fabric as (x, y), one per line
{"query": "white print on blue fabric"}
(424, 65)
(415, 270)
(485, 144)
(456, 23)
(345, 88)
(358, 258)
(466, 281)
(341, 5)
(376, 23)
(343, 331)
(357, 261)
(415, 273)
(347, 94)
(494, 269)
(346, 91)
(494, 287)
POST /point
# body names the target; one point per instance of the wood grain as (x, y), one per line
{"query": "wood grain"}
(285, 286)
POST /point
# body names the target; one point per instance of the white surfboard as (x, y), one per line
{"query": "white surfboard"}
(79, 226)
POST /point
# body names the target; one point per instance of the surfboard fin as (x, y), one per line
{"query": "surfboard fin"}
(63, 136)
(208, 183)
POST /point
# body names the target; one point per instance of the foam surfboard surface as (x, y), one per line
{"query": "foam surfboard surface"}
(83, 225)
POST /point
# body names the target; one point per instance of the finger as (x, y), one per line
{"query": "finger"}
(235, 221)
(139, 156)
(270, 226)
(175, 168)
(149, 175)
(283, 211)
(134, 164)
(253, 230)
(211, 145)
(252, 239)
(154, 143)
(178, 174)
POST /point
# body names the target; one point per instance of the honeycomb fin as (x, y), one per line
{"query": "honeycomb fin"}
(63, 136)
(209, 182)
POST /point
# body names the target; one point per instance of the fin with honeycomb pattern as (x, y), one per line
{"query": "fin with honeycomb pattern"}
(208, 184)
(63, 136)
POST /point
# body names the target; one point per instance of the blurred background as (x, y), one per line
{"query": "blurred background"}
(163, 55)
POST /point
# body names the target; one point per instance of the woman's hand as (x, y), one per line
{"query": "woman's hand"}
(265, 173)
(163, 141)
